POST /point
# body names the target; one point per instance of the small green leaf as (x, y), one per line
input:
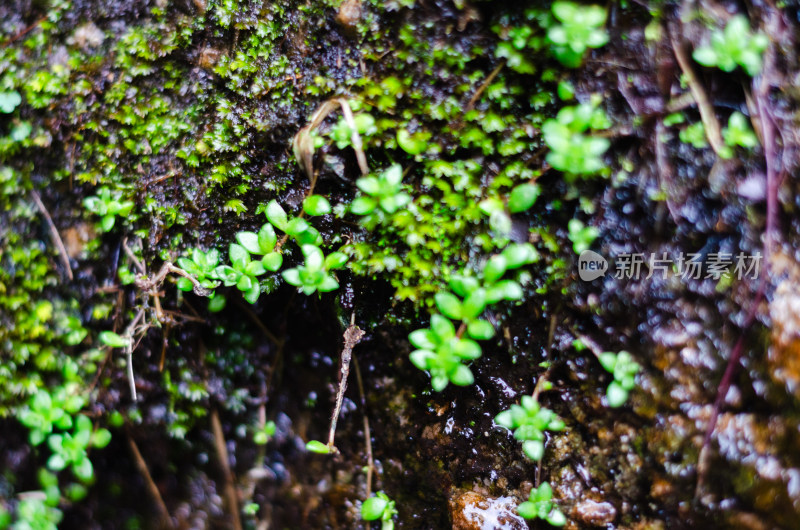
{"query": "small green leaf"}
(316, 205)
(373, 508)
(316, 446)
(363, 205)
(528, 510)
(462, 376)
(276, 215)
(184, 284)
(335, 260)
(495, 268)
(272, 261)
(109, 338)
(449, 305)
(533, 449)
(101, 438)
(217, 303)
(238, 254)
(248, 240)
(480, 330)
(616, 395)
(522, 197)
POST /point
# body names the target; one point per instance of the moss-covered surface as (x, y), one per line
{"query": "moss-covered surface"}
(178, 122)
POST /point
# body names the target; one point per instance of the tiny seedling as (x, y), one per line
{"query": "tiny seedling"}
(9, 101)
(384, 192)
(529, 420)
(582, 236)
(572, 151)
(297, 228)
(736, 45)
(580, 28)
(624, 369)
(739, 133)
(315, 274)
(441, 352)
(265, 433)
(243, 273)
(540, 506)
(201, 265)
(45, 411)
(108, 206)
(379, 508)
(69, 449)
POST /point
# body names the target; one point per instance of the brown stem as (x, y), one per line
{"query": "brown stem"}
(352, 336)
(54, 235)
(152, 489)
(707, 115)
(222, 454)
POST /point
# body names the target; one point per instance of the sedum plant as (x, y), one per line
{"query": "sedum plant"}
(624, 369)
(315, 275)
(540, 506)
(529, 420)
(572, 150)
(441, 349)
(45, 411)
(739, 133)
(70, 449)
(736, 45)
(243, 273)
(441, 352)
(108, 206)
(383, 192)
(379, 508)
(580, 27)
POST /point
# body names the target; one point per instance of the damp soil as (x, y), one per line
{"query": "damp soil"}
(440, 455)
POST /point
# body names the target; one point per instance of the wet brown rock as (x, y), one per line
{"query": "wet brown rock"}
(473, 511)
(75, 238)
(349, 15)
(594, 513)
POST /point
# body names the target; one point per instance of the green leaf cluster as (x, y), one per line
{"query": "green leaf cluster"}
(624, 369)
(736, 45)
(529, 420)
(379, 507)
(108, 206)
(580, 28)
(572, 150)
(540, 506)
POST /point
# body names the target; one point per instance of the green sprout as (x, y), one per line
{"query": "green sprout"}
(581, 236)
(46, 411)
(624, 369)
(739, 133)
(316, 205)
(201, 265)
(243, 274)
(581, 28)
(441, 352)
(540, 506)
(69, 449)
(342, 134)
(384, 191)
(529, 420)
(379, 507)
(262, 244)
(734, 46)
(265, 433)
(315, 274)
(108, 206)
(571, 150)
(297, 228)
(694, 134)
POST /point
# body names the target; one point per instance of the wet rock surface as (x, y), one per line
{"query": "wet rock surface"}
(440, 455)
